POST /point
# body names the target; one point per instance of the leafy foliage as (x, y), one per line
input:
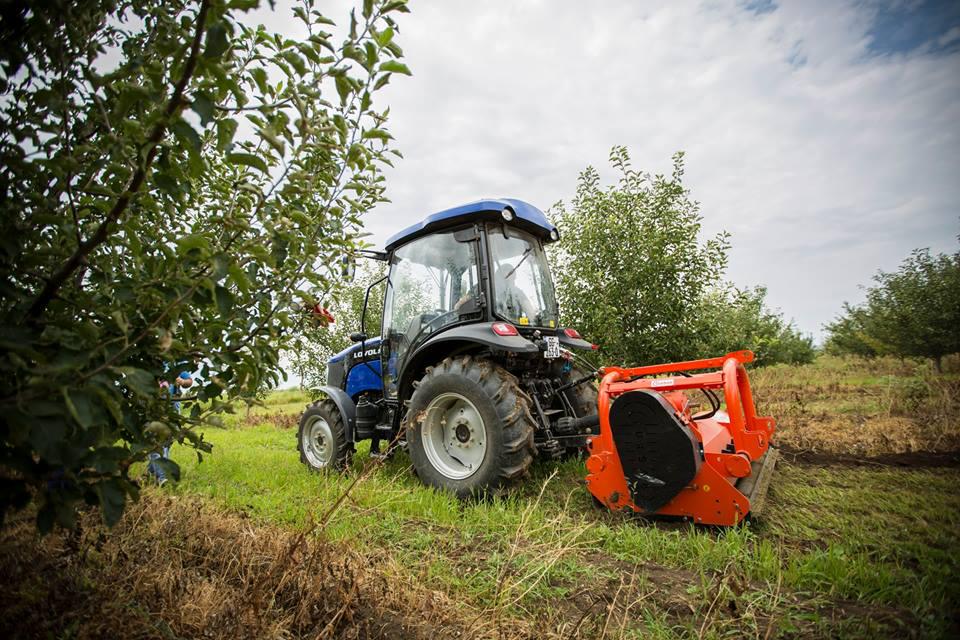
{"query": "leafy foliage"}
(914, 311)
(314, 344)
(633, 275)
(734, 319)
(170, 179)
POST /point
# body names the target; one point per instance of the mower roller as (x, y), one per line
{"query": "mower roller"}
(655, 456)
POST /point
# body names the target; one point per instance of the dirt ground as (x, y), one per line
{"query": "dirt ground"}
(857, 408)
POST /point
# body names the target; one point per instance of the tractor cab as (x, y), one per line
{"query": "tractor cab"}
(470, 268)
(472, 370)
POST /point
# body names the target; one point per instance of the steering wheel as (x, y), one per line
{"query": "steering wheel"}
(441, 314)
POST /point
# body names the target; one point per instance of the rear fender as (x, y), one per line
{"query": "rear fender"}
(455, 341)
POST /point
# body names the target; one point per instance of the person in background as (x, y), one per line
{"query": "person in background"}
(181, 382)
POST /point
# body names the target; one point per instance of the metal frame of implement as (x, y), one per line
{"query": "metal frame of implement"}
(735, 459)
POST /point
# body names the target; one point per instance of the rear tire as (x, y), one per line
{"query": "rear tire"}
(469, 429)
(322, 438)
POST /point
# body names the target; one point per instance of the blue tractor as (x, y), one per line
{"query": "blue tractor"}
(472, 372)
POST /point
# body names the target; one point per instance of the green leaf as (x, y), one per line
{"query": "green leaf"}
(193, 242)
(344, 88)
(248, 159)
(295, 61)
(397, 5)
(110, 402)
(382, 81)
(216, 42)
(385, 36)
(141, 382)
(169, 468)
(108, 459)
(395, 67)
(378, 134)
(80, 405)
(372, 56)
(224, 301)
(112, 500)
(267, 134)
(226, 129)
(259, 75)
(204, 107)
(167, 184)
(239, 277)
(186, 133)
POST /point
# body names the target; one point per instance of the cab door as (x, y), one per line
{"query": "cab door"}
(433, 284)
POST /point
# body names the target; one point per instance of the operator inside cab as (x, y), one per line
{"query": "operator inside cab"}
(511, 300)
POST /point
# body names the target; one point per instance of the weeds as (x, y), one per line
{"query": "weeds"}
(180, 567)
(861, 407)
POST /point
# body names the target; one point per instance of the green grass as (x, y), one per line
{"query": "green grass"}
(886, 539)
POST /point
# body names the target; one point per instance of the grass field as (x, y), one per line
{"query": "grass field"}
(860, 536)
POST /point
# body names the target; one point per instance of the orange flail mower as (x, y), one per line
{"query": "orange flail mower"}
(655, 456)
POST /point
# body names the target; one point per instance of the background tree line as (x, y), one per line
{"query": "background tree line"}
(914, 311)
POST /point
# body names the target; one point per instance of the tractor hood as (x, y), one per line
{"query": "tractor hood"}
(525, 216)
(371, 345)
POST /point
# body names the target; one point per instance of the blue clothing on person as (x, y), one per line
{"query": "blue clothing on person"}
(152, 467)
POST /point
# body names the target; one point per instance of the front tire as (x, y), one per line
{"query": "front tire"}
(322, 438)
(469, 428)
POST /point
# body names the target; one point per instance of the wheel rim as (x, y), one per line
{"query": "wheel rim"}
(318, 442)
(453, 435)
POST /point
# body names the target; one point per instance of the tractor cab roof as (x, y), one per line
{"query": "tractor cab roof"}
(524, 216)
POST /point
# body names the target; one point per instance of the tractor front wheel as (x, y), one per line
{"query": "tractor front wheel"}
(322, 438)
(469, 428)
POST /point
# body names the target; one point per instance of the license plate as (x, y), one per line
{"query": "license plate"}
(553, 347)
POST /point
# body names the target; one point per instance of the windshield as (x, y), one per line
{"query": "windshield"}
(523, 291)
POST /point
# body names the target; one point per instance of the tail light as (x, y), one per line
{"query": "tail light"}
(572, 333)
(504, 329)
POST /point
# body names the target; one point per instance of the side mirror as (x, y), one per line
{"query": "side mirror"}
(358, 336)
(348, 267)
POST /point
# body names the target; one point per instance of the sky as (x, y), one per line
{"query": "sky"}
(823, 135)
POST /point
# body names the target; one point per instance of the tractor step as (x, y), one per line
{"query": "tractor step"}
(755, 486)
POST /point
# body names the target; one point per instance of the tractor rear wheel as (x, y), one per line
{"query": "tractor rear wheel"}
(469, 429)
(322, 437)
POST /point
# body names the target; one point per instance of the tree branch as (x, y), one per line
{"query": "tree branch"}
(153, 142)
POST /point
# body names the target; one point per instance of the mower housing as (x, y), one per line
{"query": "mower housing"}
(656, 457)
